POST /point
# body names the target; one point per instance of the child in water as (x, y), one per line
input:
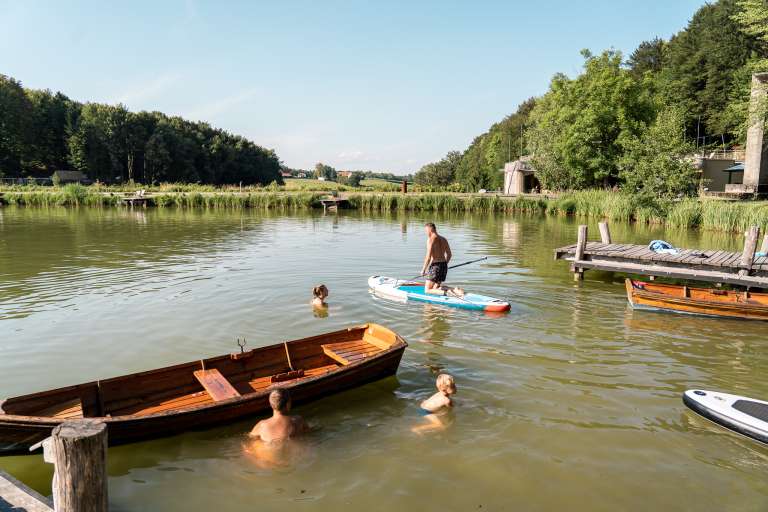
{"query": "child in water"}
(319, 293)
(437, 405)
(271, 444)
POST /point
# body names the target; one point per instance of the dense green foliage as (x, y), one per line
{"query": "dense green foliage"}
(41, 132)
(325, 171)
(580, 127)
(600, 128)
(439, 174)
(656, 162)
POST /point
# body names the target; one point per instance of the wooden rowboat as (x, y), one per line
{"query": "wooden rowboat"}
(208, 392)
(698, 301)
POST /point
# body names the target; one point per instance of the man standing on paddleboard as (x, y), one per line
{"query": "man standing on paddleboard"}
(435, 267)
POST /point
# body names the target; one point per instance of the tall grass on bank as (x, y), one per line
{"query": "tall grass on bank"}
(68, 195)
(262, 200)
(708, 214)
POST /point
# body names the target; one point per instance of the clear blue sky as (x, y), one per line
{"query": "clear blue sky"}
(383, 85)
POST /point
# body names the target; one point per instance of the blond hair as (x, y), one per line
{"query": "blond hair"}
(445, 381)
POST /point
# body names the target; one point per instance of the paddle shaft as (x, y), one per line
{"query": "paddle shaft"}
(454, 266)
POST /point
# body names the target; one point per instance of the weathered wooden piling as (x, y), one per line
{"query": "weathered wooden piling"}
(78, 449)
(750, 245)
(581, 245)
(404, 187)
(764, 245)
(605, 233)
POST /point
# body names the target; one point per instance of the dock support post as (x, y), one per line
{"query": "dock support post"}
(605, 233)
(581, 245)
(750, 245)
(79, 452)
(404, 187)
(764, 246)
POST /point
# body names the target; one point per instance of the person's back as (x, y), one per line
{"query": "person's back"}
(280, 426)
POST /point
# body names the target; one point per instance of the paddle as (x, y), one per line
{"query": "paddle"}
(454, 266)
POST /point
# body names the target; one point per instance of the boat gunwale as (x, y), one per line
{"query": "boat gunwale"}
(635, 291)
(399, 345)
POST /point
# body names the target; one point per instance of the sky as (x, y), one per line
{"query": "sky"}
(385, 85)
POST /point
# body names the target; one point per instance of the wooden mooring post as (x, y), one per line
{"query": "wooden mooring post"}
(605, 233)
(581, 245)
(78, 450)
(750, 245)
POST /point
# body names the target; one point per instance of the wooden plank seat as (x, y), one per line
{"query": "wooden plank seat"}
(215, 384)
(64, 410)
(348, 352)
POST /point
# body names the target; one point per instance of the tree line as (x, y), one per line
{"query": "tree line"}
(629, 123)
(42, 131)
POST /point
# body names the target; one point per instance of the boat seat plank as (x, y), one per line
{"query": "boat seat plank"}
(215, 384)
(346, 354)
(65, 410)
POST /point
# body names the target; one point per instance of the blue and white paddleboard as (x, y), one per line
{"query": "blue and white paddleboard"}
(403, 291)
(740, 414)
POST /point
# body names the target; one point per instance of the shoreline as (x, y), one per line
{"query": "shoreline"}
(693, 213)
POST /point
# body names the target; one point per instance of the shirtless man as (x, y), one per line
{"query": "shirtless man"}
(435, 267)
(280, 426)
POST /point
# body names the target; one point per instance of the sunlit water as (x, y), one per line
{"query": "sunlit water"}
(569, 402)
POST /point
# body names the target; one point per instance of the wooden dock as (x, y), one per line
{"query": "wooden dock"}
(735, 268)
(17, 497)
(334, 203)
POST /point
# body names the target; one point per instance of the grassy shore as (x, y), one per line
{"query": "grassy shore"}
(709, 214)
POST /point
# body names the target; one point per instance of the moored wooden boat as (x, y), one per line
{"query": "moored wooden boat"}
(699, 301)
(207, 392)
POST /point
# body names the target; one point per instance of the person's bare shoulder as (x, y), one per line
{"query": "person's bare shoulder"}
(256, 430)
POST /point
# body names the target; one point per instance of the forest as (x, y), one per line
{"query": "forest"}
(629, 122)
(42, 131)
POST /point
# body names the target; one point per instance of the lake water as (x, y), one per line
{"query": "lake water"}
(572, 401)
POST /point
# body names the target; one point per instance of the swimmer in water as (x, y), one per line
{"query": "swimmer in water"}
(438, 405)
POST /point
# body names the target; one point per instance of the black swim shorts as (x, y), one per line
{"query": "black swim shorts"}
(437, 272)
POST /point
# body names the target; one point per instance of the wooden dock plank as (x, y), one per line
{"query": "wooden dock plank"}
(675, 273)
(716, 266)
(17, 497)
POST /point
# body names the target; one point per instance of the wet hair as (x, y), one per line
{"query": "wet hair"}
(320, 290)
(431, 225)
(279, 399)
(445, 381)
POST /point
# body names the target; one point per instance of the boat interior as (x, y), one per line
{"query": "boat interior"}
(208, 380)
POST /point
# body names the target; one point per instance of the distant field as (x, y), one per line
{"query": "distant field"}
(317, 185)
(311, 184)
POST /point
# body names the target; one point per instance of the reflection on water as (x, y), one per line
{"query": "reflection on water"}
(571, 401)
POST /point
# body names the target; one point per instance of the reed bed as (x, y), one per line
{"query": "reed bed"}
(707, 214)
(68, 195)
(261, 200)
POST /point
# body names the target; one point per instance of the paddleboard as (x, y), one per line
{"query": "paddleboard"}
(403, 291)
(740, 414)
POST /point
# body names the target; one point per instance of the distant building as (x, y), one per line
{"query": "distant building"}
(301, 175)
(344, 174)
(70, 177)
(321, 178)
(286, 174)
(519, 177)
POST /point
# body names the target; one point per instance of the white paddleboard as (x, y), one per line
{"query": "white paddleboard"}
(403, 291)
(741, 414)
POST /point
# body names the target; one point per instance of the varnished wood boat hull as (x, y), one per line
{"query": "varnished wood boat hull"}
(19, 432)
(697, 301)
